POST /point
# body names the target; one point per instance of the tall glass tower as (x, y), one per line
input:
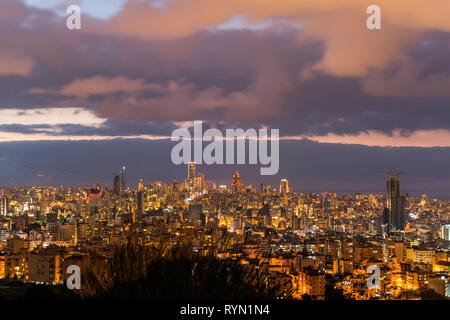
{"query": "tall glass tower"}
(123, 176)
(191, 170)
(396, 204)
(116, 185)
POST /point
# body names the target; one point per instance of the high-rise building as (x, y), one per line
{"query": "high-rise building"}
(424, 199)
(123, 175)
(326, 208)
(191, 176)
(191, 170)
(396, 204)
(200, 182)
(445, 232)
(284, 186)
(116, 185)
(385, 222)
(3, 206)
(140, 185)
(236, 185)
(140, 201)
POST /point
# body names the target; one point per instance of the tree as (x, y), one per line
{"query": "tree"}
(175, 273)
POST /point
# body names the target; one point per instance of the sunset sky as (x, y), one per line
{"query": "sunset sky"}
(76, 105)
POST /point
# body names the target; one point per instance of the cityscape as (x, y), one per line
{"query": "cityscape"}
(315, 246)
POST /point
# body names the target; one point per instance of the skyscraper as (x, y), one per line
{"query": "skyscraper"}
(191, 176)
(140, 185)
(123, 175)
(236, 186)
(3, 206)
(396, 204)
(116, 185)
(445, 232)
(284, 186)
(191, 170)
(326, 208)
(139, 205)
(201, 186)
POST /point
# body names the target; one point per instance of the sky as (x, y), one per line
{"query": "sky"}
(76, 105)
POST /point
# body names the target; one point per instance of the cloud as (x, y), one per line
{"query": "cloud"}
(319, 73)
(49, 116)
(75, 124)
(409, 79)
(15, 64)
(351, 49)
(99, 85)
(36, 136)
(419, 138)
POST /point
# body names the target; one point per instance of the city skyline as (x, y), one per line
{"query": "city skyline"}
(392, 192)
(304, 176)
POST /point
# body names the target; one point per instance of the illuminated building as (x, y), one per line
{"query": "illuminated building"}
(3, 206)
(312, 282)
(123, 176)
(200, 183)
(421, 256)
(445, 232)
(424, 200)
(2, 266)
(140, 185)
(284, 186)
(236, 185)
(368, 252)
(16, 265)
(191, 176)
(191, 170)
